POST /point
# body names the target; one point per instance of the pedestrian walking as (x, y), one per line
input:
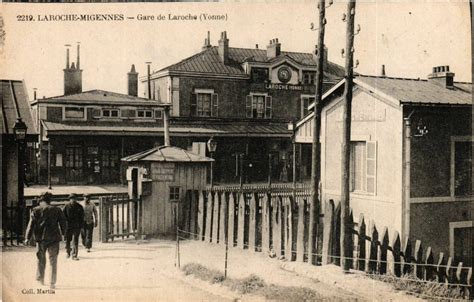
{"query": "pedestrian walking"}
(90, 222)
(47, 226)
(74, 213)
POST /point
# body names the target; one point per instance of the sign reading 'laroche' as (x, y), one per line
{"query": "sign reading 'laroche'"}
(284, 87)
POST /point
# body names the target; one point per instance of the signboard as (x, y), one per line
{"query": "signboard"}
(284, 87)
(163, 171)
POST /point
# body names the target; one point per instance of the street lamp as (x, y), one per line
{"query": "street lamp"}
(212, 146)
(19, 132)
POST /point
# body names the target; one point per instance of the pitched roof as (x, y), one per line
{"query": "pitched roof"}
(208, 61)
(15, 104)
(167, 154)
(416, 91)
(102, 96)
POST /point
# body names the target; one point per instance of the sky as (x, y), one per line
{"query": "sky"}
(408, 37)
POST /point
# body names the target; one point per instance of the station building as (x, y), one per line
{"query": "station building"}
(244, 98)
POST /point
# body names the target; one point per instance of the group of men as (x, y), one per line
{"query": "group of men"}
(49, 224)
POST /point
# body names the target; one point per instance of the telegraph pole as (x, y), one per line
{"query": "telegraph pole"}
(346, 137)
(316, 147)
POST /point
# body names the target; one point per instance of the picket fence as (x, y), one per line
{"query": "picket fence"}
(276, 222)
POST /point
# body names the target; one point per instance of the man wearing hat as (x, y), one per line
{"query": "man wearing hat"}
(74, 213)
(47, 224)
(90, 221)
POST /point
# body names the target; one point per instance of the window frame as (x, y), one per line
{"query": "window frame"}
(172, 193)
(119, 114)
(197, 110)
(368, 176)
(303, 98)
(83, 109)
(144, 113)
(266, 107)
(452, 227)
(452, 176)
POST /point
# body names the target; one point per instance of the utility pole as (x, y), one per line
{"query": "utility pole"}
(316, 147)
(346, 137)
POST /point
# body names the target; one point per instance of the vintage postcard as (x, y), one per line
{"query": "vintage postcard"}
(227, 151)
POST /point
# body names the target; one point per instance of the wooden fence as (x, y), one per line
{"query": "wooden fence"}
(120, 217)
(278, 223)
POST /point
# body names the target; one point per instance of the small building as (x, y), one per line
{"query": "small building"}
(411, 156)
(161, 176)
(83, 134)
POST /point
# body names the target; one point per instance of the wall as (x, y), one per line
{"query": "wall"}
(375, 121)
(430, 222)
(431, 154)
(158, 211)
(232, 96)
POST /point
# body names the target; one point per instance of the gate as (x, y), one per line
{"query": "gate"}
(14, 219)
(120, 217)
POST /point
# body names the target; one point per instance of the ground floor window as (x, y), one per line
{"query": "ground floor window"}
(174, 193)
(461, 165)
(74, 163)
(363, 167)
(460, 242)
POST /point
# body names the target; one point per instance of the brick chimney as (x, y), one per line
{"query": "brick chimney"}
(442, 76)
(273, 49)
(72, 74)
(207, 42)
(325, 55)
(132, 82)
(224, 48)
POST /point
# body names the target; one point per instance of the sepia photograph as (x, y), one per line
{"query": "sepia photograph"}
(310, 150)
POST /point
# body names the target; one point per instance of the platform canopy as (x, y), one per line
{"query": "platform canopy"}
(167, 154)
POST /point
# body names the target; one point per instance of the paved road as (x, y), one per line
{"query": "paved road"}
(112, 272)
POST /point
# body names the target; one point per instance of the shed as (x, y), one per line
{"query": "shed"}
(161, 176)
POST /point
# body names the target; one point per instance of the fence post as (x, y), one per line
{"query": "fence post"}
(209, 217)
(231, 220)
(252, 221)
(300, 230)
(328, 231)
(200, 217)
(396, 247)
(449, 275)
(215, 218)
(241, 222)
(103, 220)
(407, 250)
(223, 219)
(336, 235)
(383, 251)
(440, 268)
(361, 243)
(429, 261)
(265, 223)
(277, 222)
(374, 238)
(418, 259)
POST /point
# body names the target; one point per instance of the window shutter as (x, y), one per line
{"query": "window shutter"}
(248, 105)
(215, 105)
(96, 113)
(158, 114)
(268, 107)
(193, 104)
(371, 167)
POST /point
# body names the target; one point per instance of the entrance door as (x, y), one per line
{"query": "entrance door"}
(74, 164)
(110, 166)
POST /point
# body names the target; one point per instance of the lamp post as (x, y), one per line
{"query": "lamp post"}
(19, 131)
(212, 146)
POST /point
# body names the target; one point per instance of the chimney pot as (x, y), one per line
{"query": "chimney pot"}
(441, 76)
(382, 73)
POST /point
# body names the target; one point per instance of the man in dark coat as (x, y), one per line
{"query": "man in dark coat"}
(47, 225)
(74, 213)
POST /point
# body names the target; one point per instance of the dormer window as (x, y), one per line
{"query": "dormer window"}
(309, 77)
(259, 75)
(111, 113)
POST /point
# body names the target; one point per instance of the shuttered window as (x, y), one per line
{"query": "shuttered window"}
(204, 104)
(259, 106)
(363, 167)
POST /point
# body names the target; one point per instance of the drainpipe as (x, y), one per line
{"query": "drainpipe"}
(406, 178)
(166, 116)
